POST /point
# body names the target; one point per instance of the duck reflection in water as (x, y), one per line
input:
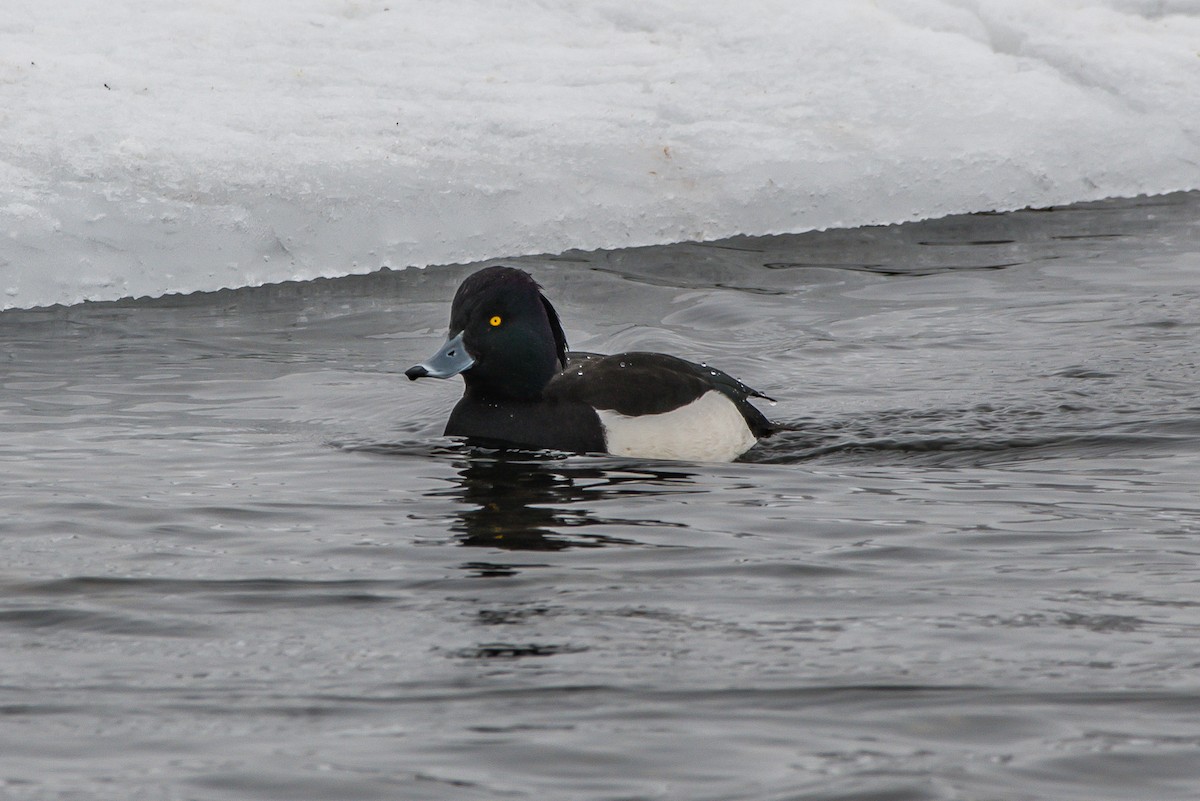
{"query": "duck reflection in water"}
(543, 504)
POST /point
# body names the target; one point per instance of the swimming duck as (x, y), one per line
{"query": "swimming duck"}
(525, 390)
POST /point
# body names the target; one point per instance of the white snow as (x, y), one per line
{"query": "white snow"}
(150, 147)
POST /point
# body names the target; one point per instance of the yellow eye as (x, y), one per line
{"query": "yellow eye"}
(495, 321)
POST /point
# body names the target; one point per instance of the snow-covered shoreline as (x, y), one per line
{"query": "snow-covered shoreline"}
(148, 149)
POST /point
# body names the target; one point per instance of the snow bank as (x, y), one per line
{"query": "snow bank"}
(148, 148)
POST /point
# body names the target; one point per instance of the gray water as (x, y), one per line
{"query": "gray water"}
(241, 563)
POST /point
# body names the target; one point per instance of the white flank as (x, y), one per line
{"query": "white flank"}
(709, 429)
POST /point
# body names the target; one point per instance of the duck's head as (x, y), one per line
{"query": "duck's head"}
(505, 337)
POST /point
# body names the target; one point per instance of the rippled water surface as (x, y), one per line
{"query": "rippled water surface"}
(240, 563)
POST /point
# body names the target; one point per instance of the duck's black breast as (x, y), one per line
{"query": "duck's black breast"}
(560, 424)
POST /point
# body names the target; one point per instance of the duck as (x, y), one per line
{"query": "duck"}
(525, 390)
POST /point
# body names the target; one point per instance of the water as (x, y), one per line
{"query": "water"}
(240, 563)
